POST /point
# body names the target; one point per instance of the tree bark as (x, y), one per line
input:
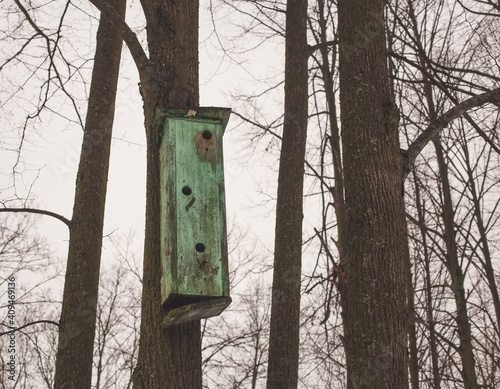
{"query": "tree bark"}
(78, 316)
(376, 250)
(285, 309)
(168, 358)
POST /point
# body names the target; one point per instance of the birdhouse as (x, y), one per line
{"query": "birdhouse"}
(194, 257)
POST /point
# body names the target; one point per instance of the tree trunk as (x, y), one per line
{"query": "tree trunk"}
(456, 274)
(452, 263)
(337, 190)
(412, 332)
(487, 262)
(376, 249)
(78, 316)
(436, 378)
(168, 358)
(285, 309)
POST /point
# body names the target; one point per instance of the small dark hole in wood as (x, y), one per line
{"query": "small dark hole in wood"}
(206, 135)
(200, 247)
(187, 190)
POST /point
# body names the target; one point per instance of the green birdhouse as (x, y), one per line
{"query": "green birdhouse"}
(195, 280)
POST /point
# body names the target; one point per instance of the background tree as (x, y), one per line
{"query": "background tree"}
(375, 325)
(77, 323)
(24, 253)
(169, 78)
(405, 85)
(285, 309)
(79, 307)
(445, 75)
(441, 54)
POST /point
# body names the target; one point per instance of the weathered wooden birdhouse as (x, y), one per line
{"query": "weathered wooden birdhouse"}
(195, 281)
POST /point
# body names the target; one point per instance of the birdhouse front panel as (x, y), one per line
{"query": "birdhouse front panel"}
(194, 243)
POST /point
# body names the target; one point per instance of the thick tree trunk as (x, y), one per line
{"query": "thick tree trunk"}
(78, 316)
(168, 358)
(376, 249)
(285, 310)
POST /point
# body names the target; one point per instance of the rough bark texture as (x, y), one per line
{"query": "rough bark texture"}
(167, 358)
(78, 316)
(285, 310)
(376, 250)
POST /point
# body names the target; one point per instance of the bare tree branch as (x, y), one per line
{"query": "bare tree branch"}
(425, 137)
(51, 51)
(28, 325)
(315, 47)
(39, 211)
(129, 37)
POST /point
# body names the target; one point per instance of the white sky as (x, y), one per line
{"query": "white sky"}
(246, 173)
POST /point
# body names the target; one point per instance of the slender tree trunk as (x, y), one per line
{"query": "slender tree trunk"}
(456, 274)
(421, 209)
(436, 375)
(452, 263)
(78, 316)
(337, 190)
(285, 309)
(483, 239)
(168, 358)
(428, 286)
(376, 249)
(412, 331)
(412, 314)
(256, 358)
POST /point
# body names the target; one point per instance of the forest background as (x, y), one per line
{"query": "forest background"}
(441, 53)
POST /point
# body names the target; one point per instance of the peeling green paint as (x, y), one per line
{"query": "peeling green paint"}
(193, 230)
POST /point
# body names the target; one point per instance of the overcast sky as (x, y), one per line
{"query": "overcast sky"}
(52, 155)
